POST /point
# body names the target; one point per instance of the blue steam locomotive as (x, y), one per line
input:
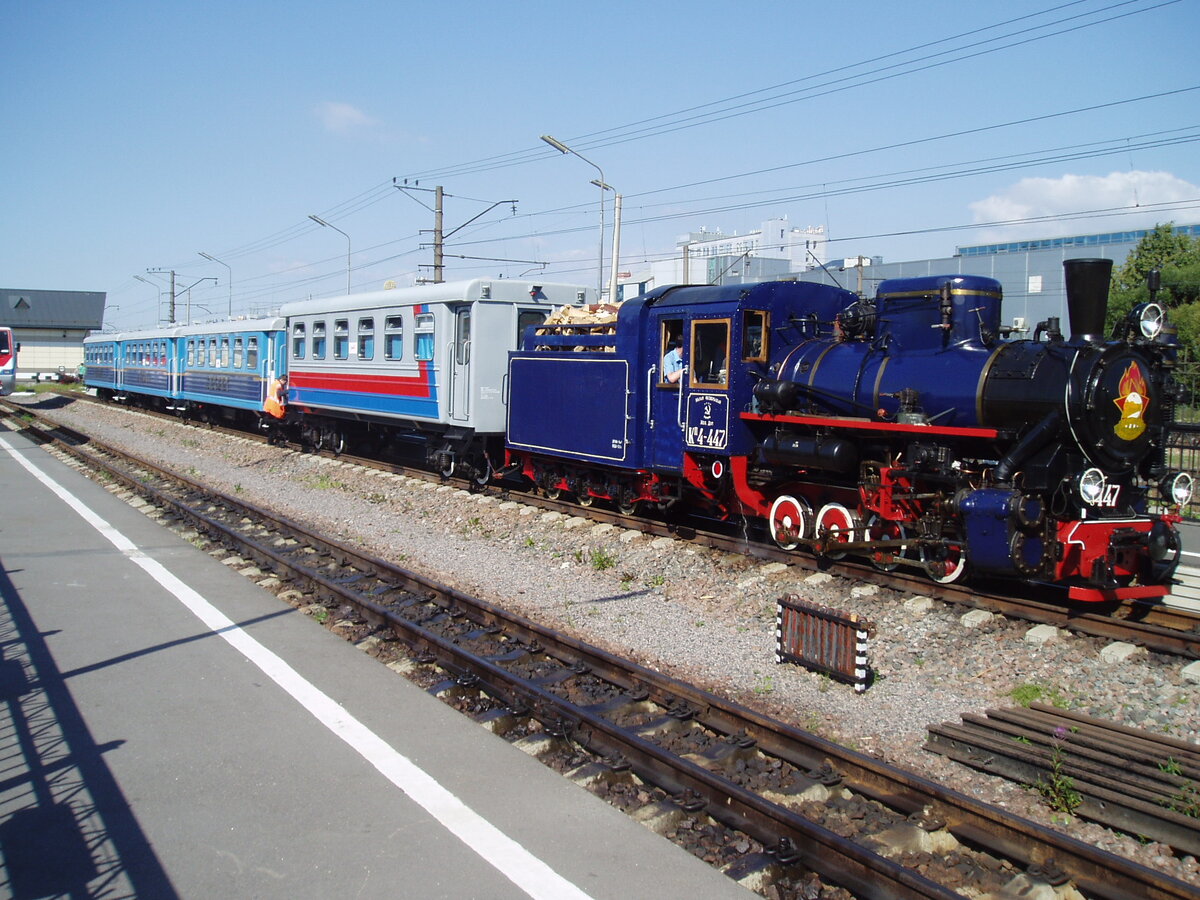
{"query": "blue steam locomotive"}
(906, 429)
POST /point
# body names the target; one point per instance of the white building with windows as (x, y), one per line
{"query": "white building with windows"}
(713, 257)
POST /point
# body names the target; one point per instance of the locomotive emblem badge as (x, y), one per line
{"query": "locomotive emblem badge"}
(1131, 401)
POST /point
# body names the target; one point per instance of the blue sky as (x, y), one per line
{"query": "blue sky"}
(138, 135)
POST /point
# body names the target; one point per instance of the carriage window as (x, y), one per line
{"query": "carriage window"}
(525, 318)
(425, 336)
(670, 349)
(298, 341)
(710, 353)
(191, 355)
(212, 352)
(237, 353)
(252, 353)
(754, 332)
(224, 353)
(341, 338)
(462, 340)
(366, 338)
(318, 340)
(393, 337)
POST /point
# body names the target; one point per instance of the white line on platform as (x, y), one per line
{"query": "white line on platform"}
(512, 860)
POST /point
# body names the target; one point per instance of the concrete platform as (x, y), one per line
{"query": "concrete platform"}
(168, 729)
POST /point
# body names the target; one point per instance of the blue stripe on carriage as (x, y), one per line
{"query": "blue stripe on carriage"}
(380, 404)
(150, 380)
(243, 391)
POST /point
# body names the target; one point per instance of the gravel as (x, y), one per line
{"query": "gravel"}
(696, 614)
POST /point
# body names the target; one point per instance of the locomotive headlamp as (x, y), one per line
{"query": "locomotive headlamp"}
(1149, 318)
(1092, 484)
(1178, 488)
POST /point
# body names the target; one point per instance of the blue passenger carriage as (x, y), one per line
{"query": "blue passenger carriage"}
(141, 363)
(229, 366)
(422, 366)
(101, 356)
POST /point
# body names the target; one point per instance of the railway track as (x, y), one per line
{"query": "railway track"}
(812, 806)
(1155, 626)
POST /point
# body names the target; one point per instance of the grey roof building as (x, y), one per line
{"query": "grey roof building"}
(50, 326)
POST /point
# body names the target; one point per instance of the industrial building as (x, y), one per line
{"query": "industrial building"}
(1030, 271)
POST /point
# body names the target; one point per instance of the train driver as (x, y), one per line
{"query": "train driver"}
(673, 367)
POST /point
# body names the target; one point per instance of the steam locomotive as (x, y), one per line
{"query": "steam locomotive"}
(907, 429)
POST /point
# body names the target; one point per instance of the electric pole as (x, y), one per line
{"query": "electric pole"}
(439, 233)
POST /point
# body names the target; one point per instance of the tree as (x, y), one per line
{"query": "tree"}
(1177, 257)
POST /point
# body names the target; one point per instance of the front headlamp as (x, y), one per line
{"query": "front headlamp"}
(1178, 488)
(1149, 319)
(1092, 484)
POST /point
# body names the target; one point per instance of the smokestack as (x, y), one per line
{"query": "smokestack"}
(1087, 297)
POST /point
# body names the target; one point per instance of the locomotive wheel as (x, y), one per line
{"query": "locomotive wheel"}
(483, 474)
(945, 564)
(790, 520)
(448, 469)
(586, 499)
(553, 493)
(837, 524)
(886, 560)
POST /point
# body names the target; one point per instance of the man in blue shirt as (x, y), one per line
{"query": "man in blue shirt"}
(673, 367)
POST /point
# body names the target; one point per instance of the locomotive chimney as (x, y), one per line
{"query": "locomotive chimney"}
(1087, 297)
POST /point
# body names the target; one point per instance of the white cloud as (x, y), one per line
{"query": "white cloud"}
(342, 117)
(1071, 194)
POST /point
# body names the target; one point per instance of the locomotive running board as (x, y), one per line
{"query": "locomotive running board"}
(1103, 595)
(872, 425)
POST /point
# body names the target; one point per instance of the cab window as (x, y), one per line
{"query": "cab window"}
(709, 353)
(754, 335)
(670, 351)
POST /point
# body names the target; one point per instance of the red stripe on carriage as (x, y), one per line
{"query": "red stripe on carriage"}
(397, 385)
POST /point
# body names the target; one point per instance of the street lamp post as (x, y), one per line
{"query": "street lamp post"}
(226, 265)
(189, 295)
(321, 221)
(563, 148)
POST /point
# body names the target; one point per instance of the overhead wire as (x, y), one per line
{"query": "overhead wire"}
(738, 105)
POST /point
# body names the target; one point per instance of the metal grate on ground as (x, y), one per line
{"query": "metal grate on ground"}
(824, 640)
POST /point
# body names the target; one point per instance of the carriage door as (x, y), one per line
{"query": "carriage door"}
(459, 363)
(665, 413)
